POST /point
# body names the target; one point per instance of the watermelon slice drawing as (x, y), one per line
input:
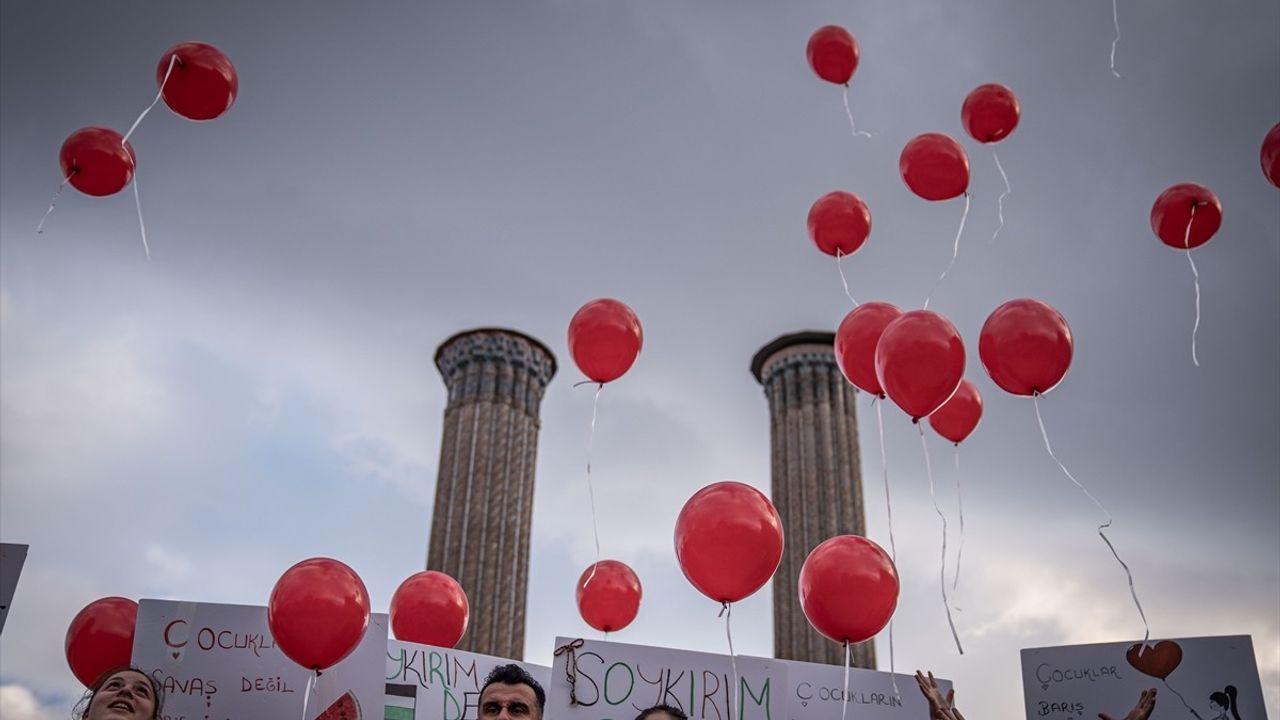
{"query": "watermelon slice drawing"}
(345, 708)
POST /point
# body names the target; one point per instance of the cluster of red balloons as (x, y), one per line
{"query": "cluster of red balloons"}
(729, 542)
(196, 80)
(935, 166)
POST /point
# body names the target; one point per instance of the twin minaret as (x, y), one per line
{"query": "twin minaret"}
(496, 379)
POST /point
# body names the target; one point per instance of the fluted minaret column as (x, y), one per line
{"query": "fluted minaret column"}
(817, 477)
(484, 489)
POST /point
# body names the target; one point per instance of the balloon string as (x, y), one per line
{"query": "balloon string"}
(893, 546)
(173, 59)
(852, 128)
(54, 201)
(954, 253)
(306, 697)
(843, 280)
(1186, 242)
(1115, 18)
(1184, 700)
(960, 504)
(844, 699)
(726, 609)
(1035, 397)
(942, 575)
(141, 224)
(591, 493)
(1007, 189)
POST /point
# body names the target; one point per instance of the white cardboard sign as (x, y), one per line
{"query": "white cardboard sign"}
(219, 662)
(11, 559)
(816, 691)
(431, 683)
(614, 681)
(1080, 681)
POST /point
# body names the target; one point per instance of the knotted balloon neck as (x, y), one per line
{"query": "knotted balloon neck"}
(570, 651)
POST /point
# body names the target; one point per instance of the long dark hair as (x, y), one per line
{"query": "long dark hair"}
(82, 708)
(1227, 699)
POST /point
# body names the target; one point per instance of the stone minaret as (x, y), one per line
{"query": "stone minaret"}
(817, 478)
(484, 489)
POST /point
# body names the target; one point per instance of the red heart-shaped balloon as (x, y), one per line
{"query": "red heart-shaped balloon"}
(1157, 661)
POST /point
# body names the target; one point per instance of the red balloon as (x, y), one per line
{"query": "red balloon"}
(960, 415)
(856, 341)
(839, 221)
(604, 339)
(430, 608)
(611, 600)
(848, 588)
(728, 540)
(203, 83)
(1270, 155)
(935, 167)
(1171, 216)
(100, 637)
(833, 54)
(990, 113)
(318, 612)
(1026, 347)
(98, 161)
(920, 362)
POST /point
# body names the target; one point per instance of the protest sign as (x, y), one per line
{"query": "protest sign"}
(219, 662)
(614, 681)
(1193, 677)
(816, 691)
(432, 683)
(11, 559)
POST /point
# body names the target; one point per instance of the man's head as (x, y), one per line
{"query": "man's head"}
(662, 712)
(510, 693)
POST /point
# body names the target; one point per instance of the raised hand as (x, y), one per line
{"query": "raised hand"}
(1141, 711)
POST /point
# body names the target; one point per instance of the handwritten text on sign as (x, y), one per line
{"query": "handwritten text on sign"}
(431, 683)
(817, 692)
(1191, 677)
(614, 681)
(219, 662)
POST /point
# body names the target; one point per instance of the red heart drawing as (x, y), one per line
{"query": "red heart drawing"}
(175, 655)
(1157, 661)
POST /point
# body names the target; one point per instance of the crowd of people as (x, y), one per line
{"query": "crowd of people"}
(509, 693)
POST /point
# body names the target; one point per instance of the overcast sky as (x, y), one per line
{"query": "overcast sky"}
(262, 390)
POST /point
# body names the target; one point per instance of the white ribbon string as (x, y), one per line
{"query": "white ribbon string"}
(1007, 189)
(54, 201)
(1186, 242)
(726, 609)
(942, 575)
(595, 526)
(844, 281)
(844, 698)
(960, 505)
(306, 697)
(1184, 700)
(1115, 18)
(1035, 397)
(141, 225)
(852, 128)
(954, 253)
(893, 546)
(173, 59)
